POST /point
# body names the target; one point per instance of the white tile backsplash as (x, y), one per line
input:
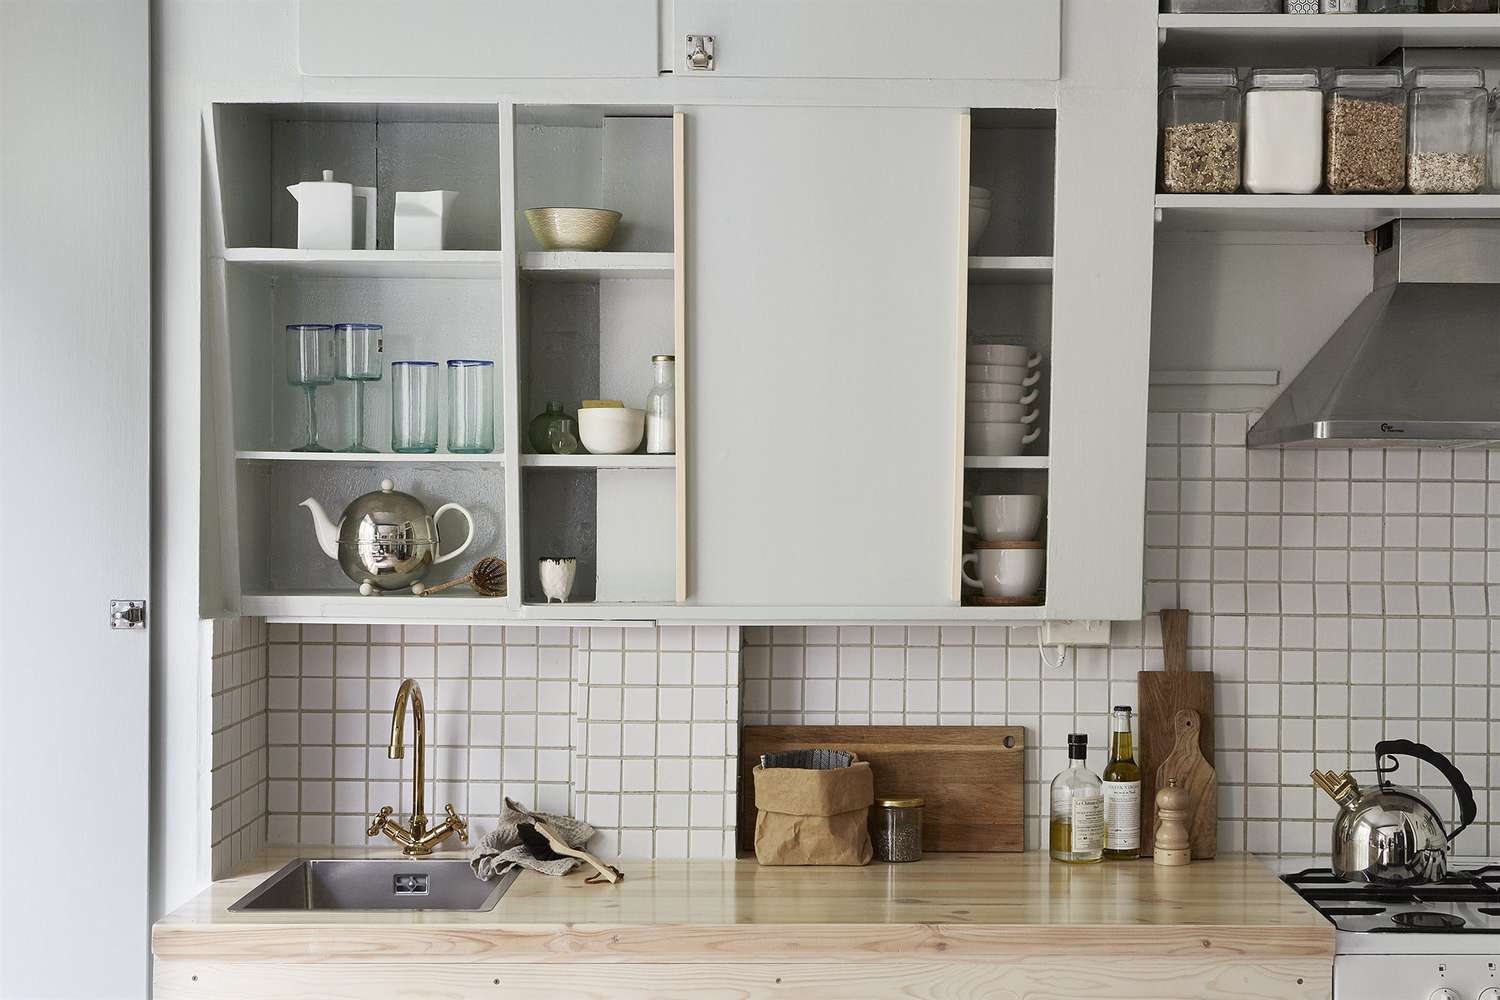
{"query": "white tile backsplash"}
(238, 775)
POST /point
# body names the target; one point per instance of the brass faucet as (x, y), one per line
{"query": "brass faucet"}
(415, 840)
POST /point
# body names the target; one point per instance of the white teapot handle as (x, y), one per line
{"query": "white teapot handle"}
(467, 538)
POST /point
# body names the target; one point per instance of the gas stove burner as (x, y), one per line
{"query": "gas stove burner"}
(1428, 920)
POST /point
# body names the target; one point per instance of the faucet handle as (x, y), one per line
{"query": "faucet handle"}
(457, 824)
(378, 822)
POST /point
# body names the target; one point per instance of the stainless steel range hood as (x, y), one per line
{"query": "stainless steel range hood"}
(1417, 362)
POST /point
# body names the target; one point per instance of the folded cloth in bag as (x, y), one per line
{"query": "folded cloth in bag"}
(813, 817)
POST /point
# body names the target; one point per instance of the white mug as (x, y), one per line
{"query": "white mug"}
(998, 439)
(1005, 572)
(1002, 354)
(999, 413)
(999, 392)
(1007, 374)
(1002, 517)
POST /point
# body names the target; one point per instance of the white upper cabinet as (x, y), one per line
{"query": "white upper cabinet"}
(822, 264)
(872, 39)
(478, 38)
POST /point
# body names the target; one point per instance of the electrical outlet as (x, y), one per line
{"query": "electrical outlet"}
(1075, 633)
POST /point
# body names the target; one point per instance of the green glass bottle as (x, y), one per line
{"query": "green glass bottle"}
(540, 430)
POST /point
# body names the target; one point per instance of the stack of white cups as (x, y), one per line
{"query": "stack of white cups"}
(1000, 418)
(1007, 562)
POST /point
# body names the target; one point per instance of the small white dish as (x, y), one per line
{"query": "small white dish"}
(1000, 392)
(1004, 374)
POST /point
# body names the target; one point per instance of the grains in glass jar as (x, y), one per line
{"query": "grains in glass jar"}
(896, 829)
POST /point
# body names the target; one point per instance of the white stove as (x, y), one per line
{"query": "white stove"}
(1439, 941)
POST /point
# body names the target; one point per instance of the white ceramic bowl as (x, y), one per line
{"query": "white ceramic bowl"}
(1005, 374)
(1003, 354)
(998, 438)
(979, 219)
(1004, 517)
(999, 413)
(1000, 392)
(611, 430)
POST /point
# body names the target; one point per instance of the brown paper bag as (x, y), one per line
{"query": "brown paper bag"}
(808, 817)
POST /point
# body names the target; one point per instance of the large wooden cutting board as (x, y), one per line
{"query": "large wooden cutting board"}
(970, 777)
(1162, 694)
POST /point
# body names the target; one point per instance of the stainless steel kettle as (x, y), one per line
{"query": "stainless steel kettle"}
(386, 540)
(1388, 834)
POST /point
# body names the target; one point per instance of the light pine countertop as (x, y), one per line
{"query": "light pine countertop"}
(970, 906)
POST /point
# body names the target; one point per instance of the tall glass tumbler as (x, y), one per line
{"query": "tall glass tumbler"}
(471, 407)
(414, 407)
(309, 364)
(357, 349)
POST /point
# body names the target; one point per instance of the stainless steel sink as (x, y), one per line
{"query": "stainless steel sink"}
(376, 884)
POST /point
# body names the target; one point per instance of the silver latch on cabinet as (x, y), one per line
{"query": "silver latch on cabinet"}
(127, 614)
(700, 52)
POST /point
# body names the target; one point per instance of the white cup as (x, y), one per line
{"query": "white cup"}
(1013, 573)
(1002, 354)
(999, 392)
(999, 413)
(1007, 374)
(998, 439)
(1005, 517)
(557, 577)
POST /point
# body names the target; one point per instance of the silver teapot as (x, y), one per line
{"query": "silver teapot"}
(1392, 835)
(385, 540)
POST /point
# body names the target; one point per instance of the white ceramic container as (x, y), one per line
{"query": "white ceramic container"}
(422, 219)
(1005, 517)
(998, 439)
(557, 577)
(325, 214)
(1005, 374)
(611, 430)
(999, 392)
(1015, 573)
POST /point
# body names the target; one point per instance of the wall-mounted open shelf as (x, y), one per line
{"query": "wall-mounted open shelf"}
(576, 265)
(365, 458)
(598, 461)
(1299, 39)
(1315, 212)
(1010, 270)
(1006, 462)
(284, 262)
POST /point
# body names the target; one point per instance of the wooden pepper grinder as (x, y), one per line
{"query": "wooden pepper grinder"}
(1172, 846)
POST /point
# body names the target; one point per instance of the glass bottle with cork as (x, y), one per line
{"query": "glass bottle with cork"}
(1077, 822)
(1122, 792)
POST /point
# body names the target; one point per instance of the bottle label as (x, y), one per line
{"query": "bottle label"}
(1122, 815)
(1088, 825)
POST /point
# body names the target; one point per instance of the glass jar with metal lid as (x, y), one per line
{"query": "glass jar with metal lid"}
(1447, 133)
(1390, 6)
(1366, 134)
(1200, 131)
(896, 829)
(1283, 132)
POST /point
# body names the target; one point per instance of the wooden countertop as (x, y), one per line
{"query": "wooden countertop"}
(970, 906)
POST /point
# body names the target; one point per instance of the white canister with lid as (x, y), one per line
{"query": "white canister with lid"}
(1283, 132)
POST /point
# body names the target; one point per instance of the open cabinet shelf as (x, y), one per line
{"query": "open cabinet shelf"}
(1350, 213)
(1005, 462)
(283, 262)
(366, 458)
(578, 265)
(1010, 270)
(1299, 39)
(598, 461)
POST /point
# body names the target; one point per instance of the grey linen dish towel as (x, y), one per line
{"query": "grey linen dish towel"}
(501, 849)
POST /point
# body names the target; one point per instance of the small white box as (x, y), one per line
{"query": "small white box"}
(422, 219)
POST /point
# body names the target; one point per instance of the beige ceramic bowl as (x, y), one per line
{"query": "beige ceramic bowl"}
(572, 228)
(611, 430)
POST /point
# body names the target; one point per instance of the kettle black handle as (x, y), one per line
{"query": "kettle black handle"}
(1467, 810)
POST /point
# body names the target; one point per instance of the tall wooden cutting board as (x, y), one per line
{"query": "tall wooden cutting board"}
(1161, 695)
(1196, 776)
(970, 777)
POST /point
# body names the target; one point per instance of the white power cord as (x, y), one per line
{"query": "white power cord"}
(1062, 652)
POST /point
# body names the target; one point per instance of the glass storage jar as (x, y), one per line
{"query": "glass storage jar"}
(1460, 6)
(1390, 6)
(1283, 132)
(1200, 131)
(1494, 141)
(1366, 135)
(1223, 6)
(661, 406)
(896, 829)
(1446, 154)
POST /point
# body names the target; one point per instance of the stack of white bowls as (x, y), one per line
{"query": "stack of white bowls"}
(979, 214)
(1000, 399)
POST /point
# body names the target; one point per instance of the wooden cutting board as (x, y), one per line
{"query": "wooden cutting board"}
(970, 777)
(1197, 777)
(1161, 694)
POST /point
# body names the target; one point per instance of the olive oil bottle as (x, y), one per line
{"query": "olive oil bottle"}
(1077, 821)
(1122, 792)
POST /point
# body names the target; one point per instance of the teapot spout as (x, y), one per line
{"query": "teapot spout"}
(327, 531)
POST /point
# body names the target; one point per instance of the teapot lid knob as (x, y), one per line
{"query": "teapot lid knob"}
(386, 486)
(328, 175)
